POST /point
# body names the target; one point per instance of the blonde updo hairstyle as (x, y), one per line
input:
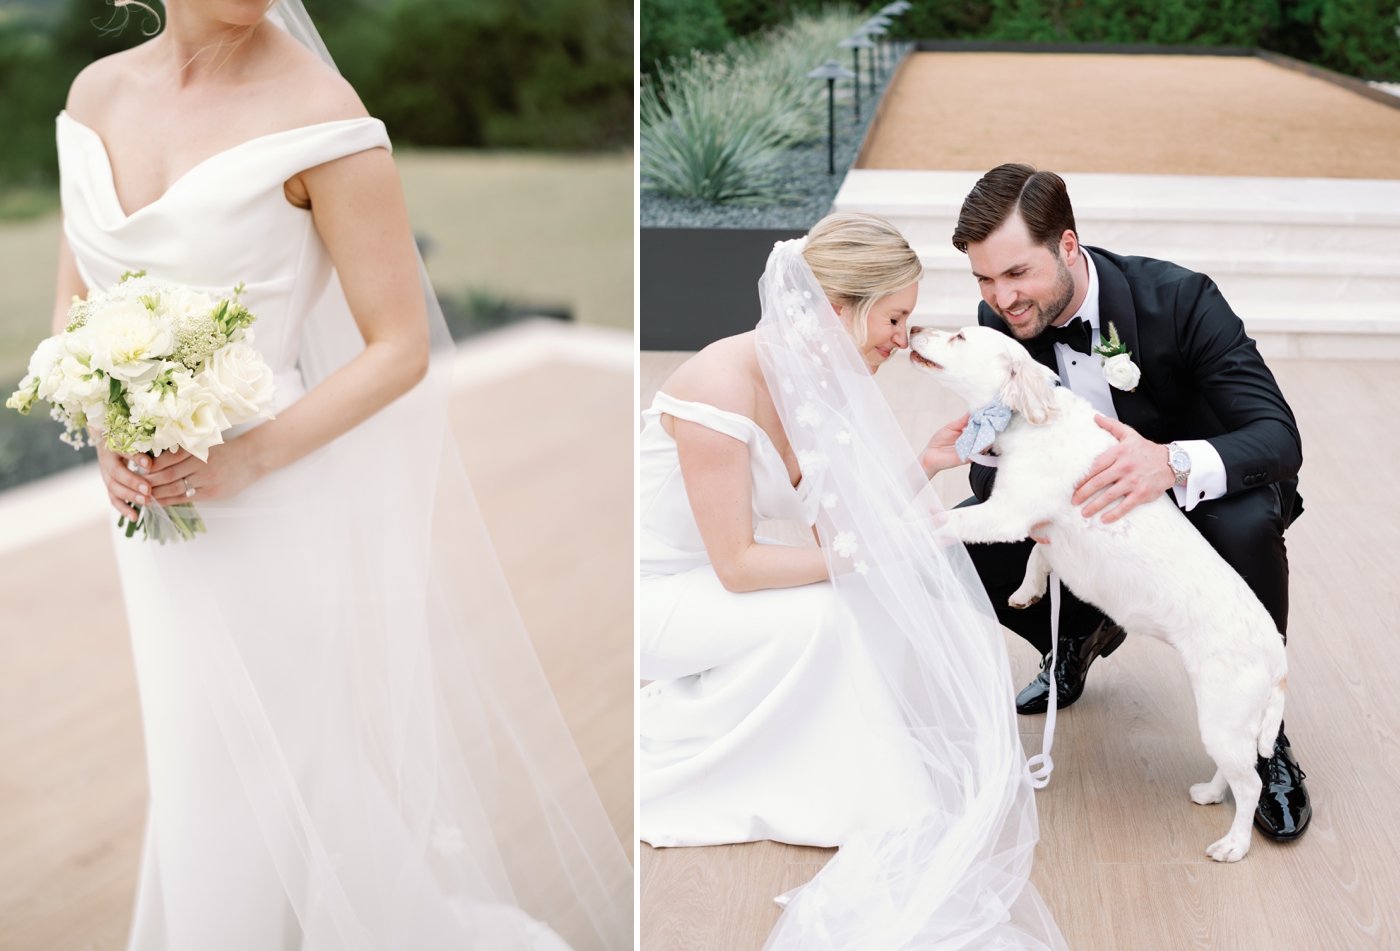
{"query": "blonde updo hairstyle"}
(858, 259)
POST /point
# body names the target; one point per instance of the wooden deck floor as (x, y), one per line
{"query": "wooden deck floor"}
(72, 772)
(1121, 860)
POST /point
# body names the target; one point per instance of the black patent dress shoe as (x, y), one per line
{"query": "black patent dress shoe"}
(1284, 809)
(1076, 654)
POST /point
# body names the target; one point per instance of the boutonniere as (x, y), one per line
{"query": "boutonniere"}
(1118, 367)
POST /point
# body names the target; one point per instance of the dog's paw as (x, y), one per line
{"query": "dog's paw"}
(1022, 598)
(1232, 848)
(1205, 794)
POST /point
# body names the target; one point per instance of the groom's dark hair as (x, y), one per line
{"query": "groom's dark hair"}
(1041, 198)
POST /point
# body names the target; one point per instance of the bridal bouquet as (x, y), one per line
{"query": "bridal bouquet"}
(152, 367)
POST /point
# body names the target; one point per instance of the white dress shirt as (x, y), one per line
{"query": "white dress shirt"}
(1083, 374)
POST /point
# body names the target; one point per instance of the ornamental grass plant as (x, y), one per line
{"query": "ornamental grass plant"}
(714, 124)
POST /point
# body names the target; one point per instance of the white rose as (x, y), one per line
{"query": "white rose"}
(1121, 372)
(184, 304)
(163, 404)
(198, 430)
(44, 367)
(46, 356)
(127, 340)
(77, 388)
(188, 416)
(241, 381)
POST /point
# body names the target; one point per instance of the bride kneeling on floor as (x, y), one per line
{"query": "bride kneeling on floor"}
(856, 694)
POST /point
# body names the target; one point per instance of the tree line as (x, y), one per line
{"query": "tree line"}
(1356, 37)
(528, 74)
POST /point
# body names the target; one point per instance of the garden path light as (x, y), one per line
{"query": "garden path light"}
(855, 43)
(875, 28)
(831, 71)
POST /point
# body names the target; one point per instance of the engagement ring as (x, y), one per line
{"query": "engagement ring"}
(189, 492)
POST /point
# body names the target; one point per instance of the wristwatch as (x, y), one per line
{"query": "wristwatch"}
(1180, 461)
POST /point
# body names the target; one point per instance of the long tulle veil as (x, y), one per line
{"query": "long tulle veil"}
(447, 806)
(956, 875)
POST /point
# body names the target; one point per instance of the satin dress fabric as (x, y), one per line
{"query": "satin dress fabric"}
(327, 697)
(765, 717)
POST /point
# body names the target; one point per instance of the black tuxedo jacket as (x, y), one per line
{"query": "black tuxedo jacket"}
(1202, 378)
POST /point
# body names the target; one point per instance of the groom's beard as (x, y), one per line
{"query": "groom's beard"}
(1043, 314)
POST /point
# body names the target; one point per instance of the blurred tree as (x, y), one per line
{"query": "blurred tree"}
(548, 73)
(675, 27)
(33, 87)
(92, 29)
(749, 16)
(945, 20)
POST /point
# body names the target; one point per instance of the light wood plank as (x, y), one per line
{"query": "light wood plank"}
(550, 455)
(1121, 860)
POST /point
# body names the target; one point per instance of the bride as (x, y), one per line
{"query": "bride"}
(350, 742)
(856, 694)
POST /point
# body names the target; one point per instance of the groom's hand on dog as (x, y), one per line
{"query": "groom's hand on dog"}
(1135, 471)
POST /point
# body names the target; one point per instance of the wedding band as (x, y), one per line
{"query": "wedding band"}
(189, 492)
(131, 464)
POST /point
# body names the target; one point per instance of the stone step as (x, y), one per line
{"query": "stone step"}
(1295, 257)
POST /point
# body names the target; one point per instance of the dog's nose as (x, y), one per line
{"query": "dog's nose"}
(915, 331)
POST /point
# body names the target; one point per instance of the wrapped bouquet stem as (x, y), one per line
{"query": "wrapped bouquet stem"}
(150, 367)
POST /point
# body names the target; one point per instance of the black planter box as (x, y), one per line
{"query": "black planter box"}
(701, 284)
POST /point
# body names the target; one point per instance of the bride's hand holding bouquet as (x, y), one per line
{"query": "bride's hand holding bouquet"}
(153, 375)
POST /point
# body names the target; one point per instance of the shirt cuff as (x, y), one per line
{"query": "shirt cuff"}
(1207, 480)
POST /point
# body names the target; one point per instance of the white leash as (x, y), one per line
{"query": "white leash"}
(1041, 765)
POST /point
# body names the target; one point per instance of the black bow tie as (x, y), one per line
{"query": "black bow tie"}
(1076, 335)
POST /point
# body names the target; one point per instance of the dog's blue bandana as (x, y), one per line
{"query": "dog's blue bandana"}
(982, 427)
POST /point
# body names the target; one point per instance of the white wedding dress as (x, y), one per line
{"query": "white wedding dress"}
(349, 740)
(873, 711)
(766, 718)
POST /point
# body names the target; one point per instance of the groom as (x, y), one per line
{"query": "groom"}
(1205, 421)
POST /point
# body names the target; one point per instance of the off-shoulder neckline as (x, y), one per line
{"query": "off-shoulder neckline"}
(763, 436)
(111, 176)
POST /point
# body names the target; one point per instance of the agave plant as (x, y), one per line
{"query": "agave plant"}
(713, 125)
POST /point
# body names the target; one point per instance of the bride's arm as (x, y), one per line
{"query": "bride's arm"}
(358, 206)
(715, 468)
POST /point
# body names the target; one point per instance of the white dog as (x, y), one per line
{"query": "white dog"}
(1150, 571)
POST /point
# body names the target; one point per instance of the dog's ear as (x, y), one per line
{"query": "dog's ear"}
(1027, 389)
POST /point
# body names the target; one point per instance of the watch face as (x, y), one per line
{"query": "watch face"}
(1180, 461)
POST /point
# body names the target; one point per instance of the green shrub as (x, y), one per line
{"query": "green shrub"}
(673, 28)
(551, 74)
(745, 17)
(712, 125)
(1355, 37)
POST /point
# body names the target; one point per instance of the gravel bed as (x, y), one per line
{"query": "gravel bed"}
(803, 171)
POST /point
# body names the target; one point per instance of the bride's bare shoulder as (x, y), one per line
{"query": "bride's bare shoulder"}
(724, 375)
(321, 93)
(100, 82)
(290, 85)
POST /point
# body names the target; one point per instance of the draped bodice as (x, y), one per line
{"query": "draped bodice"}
(224, 222)
(671, 541)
